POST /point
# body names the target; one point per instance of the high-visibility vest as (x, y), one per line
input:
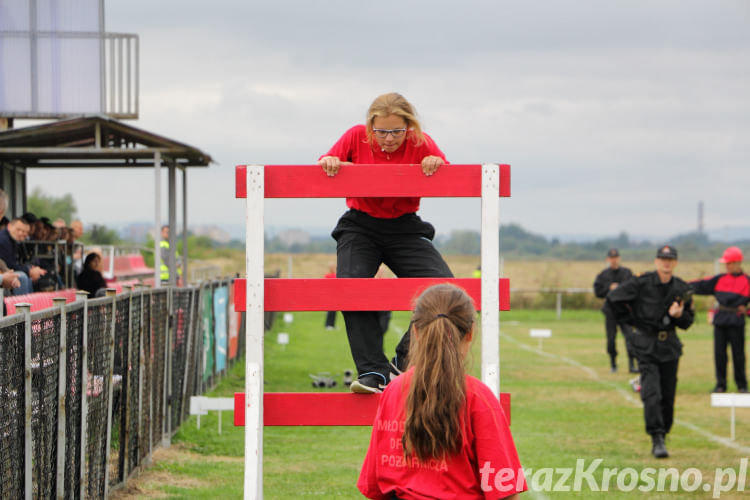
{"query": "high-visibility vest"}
(163, 268)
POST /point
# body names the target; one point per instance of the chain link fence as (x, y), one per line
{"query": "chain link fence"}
(89, 389)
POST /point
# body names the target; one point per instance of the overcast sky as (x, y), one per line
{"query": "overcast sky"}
(615, 116)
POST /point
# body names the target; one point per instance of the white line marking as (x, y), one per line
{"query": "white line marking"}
(626, 395)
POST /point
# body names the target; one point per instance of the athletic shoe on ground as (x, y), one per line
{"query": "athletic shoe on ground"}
(743, 390)
(719, 389)
(368, 384)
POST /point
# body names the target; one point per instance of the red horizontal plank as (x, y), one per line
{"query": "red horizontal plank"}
(309, 181)
(311, 408)
(505, 180)
(356, 294)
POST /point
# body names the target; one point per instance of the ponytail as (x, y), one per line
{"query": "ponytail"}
(443, 316)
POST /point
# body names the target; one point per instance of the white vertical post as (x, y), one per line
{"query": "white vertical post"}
(184, 229)
(157, 219)
(172, 209)
(254, 334)
(490, 276)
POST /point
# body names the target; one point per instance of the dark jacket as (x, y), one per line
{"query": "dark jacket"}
(91, 281)
(643, 302)
(731, 291)
(605, 278)
(9, 252)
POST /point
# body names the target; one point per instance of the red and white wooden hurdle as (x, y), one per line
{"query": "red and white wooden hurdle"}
(254, 409)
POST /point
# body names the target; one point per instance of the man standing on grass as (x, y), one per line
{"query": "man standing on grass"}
(605, 281)
(732, 292)
(655, 304)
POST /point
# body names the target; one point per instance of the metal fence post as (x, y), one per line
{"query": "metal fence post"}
(82, 296)
(25, 309)
(189, 327)
(125, 391)
(165, 427)
(111, 292)
(558, 305)
(62, 364)
(141, 374)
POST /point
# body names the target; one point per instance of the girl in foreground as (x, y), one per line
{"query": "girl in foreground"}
(438, 432)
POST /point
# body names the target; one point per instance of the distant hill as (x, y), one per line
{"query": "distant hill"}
(515, 241)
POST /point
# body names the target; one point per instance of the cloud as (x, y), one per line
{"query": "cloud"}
(615, 116)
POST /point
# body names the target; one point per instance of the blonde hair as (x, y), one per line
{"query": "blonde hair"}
(443, 316)
(394, 103)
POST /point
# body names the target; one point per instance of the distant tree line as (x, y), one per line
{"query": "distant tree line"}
(516, 242)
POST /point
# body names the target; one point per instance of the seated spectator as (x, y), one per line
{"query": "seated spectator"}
(91, 279)
(9, 280)
(77, 227)
(3, 208)
(10, 237)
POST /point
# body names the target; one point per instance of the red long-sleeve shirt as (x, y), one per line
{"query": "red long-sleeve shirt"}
(487, 467)
(354, 146)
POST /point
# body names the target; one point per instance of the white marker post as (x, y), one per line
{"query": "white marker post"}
(540, 333)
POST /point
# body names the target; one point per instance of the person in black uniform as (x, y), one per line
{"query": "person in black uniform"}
(655, 303)
(605, 281)
(732, 292)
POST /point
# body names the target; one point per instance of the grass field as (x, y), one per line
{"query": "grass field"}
(566, 407)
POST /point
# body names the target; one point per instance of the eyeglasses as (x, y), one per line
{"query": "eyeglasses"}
(382, 133)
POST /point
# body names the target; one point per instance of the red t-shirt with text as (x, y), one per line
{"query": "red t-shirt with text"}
(354, 146)
(487, 466)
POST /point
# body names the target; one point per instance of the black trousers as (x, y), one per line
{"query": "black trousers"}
(658, 388)
(404, 245)
(733, 336)
(331, 319)
(610, 325)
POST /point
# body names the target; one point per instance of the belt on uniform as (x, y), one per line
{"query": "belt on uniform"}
(662, 334)
(729, 309)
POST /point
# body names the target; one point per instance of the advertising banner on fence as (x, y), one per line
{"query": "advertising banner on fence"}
(234, 326)
(221, 296)
(208, 333)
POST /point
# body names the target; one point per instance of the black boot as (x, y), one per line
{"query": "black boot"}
(631, 365)
(659, 450)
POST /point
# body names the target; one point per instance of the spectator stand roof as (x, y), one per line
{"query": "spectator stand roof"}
(102, 142)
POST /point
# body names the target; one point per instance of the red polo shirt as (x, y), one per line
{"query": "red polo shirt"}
(487, 467)
(354, 147)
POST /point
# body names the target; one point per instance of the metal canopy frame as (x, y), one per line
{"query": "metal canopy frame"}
(101, 142)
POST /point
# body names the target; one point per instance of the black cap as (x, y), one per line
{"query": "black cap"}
(46, 221)
(29, 217)
(612, 252)
(666, 252)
